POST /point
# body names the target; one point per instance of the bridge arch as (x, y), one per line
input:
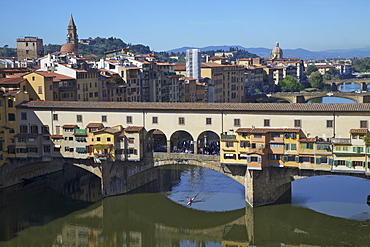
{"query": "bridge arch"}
(208, 142)
(181, 141)
(337, 96)
(156, 141)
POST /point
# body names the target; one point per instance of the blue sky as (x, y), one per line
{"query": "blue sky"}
(163, 24)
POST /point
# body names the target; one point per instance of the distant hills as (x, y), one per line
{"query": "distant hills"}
(289, 53)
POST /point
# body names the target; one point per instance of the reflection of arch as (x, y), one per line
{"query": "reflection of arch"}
(182, 142)
(156, 141)
(320, 98)
(208, 142)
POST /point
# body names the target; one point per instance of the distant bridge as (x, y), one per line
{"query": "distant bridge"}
(362, 82)
(304, 97)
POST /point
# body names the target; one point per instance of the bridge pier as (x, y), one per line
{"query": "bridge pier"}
(364, 86)
(266, 186)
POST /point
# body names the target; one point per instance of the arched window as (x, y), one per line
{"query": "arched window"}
(10, 103)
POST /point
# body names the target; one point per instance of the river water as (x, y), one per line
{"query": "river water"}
(65, 210)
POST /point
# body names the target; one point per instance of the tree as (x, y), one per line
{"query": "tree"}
(310, 69)
(316, 80)
(326, 77)
(290, 84)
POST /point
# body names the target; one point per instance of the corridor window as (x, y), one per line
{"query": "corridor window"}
(181, 120)
(266, 122)
(236, 122)
(129, 119)
(329, 123)
(208, 121)
(155, 120)
(297, 123)
(363, 124)
(104, 119)
(55, 117)
(79, 118)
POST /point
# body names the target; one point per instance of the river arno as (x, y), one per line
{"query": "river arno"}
(64, 210)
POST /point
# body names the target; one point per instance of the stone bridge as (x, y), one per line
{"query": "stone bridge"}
(304, 97)
(362, 82)
(262, 187)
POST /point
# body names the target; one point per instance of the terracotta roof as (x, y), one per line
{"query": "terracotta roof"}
(56, 136)
(307, 140)
(266, 130)
(95, 125)
(108, 130)
(133, 128)
(188, 106)
(358, 130)
(69, 126)
(56, 77)
(12, 80)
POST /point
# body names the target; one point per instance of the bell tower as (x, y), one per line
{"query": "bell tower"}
(72, 36)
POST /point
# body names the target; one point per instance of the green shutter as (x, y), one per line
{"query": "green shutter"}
(336, 162)
(285, 158)
(318, 161)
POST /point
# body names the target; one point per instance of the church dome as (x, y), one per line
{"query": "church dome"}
(277, 52)
(68, 47)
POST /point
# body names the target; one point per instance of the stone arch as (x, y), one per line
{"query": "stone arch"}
(155, 141)
(208, 142)
(181, 141)
(336, 96)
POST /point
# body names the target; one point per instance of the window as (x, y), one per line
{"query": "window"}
(236, 122)
(329, 123)
(308, 145)
(39, 89)
(266, 122)
(23, 116)
(345, 148)
(108, 139)
(34, 129)
(363, 124)
(11, 117)
(229, 144)
(10, 103)
(55, 117)
(47, 148)
(129, 119)
(181, 120)
(45, 129)
(257, 135)
(293, 146)
(155, 120)
(275, 134)
(79, 118)
(98, 139)
(131, 140)
(297, 123)
(275, 145)
(244, 144)
(104, 118)
(229, 156)
(208, 121)
(23, 129)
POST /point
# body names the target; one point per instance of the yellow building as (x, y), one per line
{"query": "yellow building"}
(258, 147)
(108, 142)
(228, 81)
(9, 123)
(40, 85)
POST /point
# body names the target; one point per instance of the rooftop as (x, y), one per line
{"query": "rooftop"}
(188, 106)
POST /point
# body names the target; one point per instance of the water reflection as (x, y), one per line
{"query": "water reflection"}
(159, 219)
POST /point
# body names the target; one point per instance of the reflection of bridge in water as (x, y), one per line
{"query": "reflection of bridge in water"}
(166, 223)
(362, 82)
